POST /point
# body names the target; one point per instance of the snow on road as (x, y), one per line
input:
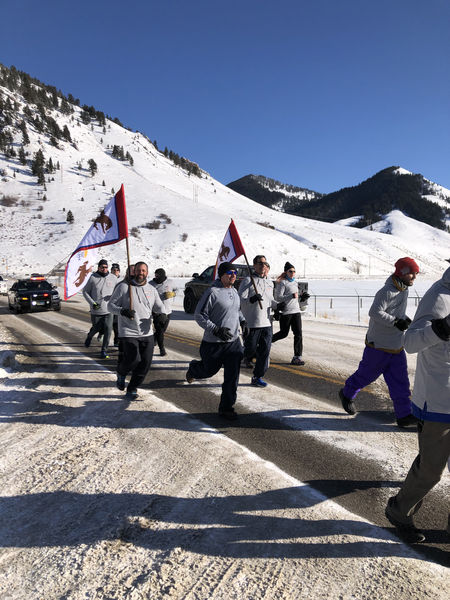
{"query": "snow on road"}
(102, 498)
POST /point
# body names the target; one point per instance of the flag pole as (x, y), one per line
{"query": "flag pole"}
(128, 271)
(253, 281)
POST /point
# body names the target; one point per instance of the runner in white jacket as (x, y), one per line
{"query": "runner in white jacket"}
(429, 336)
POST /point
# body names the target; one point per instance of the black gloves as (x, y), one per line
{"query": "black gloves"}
(162, 319)
(245, 329)
(96, 306)
(223, 333)
(402, 324)
(255, 298)
(281, 306)
(304, 296)
(128, 312)
(441, 328)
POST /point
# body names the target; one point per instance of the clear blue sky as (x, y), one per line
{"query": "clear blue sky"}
(320, 94)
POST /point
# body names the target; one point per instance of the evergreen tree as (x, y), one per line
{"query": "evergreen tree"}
(70, 218)
(22, 156)
(92, 166)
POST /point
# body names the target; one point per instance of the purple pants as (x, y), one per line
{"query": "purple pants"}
(395, 372)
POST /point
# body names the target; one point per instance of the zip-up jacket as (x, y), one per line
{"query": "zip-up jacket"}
(145, 301)
(389, 304)
(253, 314)
(166, 292)
(98, 290)
(431, 392)
(284, 292)
(219, 307)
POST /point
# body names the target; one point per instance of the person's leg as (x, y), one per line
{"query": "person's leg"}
(116, 330)
(250, 344)
(232, 353)
(140, 371)
(397, 380)
(210, 363)
(130, 356)
(425, 472)
(296, 326)
(263, 351)
(107, 328)
(285, 321)
(159, 330)
(372, 364)
(97, 324)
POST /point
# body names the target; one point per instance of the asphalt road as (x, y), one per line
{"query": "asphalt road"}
(358, 484)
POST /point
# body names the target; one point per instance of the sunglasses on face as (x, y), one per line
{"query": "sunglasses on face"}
(291, 271)
(231, 272)
(261, 262)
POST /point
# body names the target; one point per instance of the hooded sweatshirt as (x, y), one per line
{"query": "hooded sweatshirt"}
(145, 301)
(284, 292)
(98, 290)
(389, 304)
(254, 316)
(431, 393)
(219, 307)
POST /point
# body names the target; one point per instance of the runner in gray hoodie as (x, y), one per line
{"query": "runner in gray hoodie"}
(218, 313)
(97, 293)
(384, 353)
(135, 327)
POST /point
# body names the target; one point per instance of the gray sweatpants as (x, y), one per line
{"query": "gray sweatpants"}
(426, 470)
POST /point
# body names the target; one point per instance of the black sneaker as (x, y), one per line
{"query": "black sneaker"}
(408, 532)
(87, 341)
(230, 414)
(408, 421)
(347, 403)
(189, 377)
(133, 394)
(162, 352)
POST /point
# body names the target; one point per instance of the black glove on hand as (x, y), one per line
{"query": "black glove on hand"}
(128, 312)
(245, 329)
(281, 306)
(96, 306)
(162, 319)
(402, 324)
(223, 333)
(304, 296)
(441, 328)
(255, 298)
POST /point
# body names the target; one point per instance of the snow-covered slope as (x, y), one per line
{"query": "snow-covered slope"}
(193, 212)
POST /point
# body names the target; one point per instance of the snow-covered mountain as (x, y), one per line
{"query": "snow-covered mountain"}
(177, 220)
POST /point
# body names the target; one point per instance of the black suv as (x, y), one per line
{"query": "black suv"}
(34, 293)
(195, 288)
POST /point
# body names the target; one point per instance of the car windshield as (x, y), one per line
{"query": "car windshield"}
(33, 285)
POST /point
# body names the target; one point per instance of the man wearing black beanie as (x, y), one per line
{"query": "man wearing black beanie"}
(218, 313)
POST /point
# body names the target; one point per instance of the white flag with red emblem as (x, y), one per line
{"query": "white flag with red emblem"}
(108, 228)
(231, 247)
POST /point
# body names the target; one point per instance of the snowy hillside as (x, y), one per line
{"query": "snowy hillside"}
(191, 213)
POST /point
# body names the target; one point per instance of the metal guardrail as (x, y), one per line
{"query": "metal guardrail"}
(414, 300)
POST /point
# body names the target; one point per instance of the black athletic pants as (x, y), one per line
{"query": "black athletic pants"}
(294, 322)
(137, 357)
(214, 356)
(160, 328)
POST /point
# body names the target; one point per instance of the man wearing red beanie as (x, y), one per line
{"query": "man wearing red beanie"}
(384, 353)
